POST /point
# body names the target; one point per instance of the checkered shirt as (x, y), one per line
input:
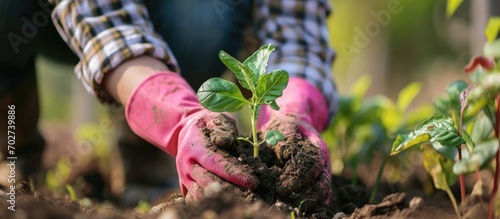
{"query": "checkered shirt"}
(105, 33)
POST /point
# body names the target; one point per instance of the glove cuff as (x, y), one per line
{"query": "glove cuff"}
(157, 106)
(302, 100)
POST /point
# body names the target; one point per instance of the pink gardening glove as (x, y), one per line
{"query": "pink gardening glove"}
(164, 110)
(303, 113)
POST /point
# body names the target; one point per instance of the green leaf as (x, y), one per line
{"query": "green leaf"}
(492, 29)
(476, 99)
(482, 128)
(369, 112)
(451, 6)
(273, 137)
(481, 156)
(246, 77)
(442, 105)
(345, 108)
(444, 136)
(272, 104)
(492, 49)
(407, 95)
(404, 142)
(257, 62)
(439, 167)
(475, 107)
(71, 192)
(477, 75)
(220, 95)
(390, 116)
(360, 87)
(453, 90)
(143, 206)
(270, 86)
(448, 152)
(433, 122)
(488, 88)
(367, 115)
(245, 139)
(438, 128)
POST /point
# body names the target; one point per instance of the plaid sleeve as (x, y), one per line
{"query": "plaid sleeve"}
(298, 30)
(104, 34)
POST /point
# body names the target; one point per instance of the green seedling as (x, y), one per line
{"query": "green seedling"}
(472, 122)
(32, 183)
(438, 131)
(364, 126)
(143, 206)
(71, 192)
(220, 95)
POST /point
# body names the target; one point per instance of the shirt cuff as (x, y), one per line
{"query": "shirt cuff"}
(109, 49)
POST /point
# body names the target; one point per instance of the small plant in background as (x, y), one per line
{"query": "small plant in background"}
(71, 192)
(367, 126)
(220, 95)
(439, 131)
(469, 122)
(143, 206)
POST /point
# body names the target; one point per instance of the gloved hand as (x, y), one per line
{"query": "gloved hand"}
(163, 110)
(303, 113)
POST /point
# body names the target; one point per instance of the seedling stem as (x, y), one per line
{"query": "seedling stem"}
(220, 95)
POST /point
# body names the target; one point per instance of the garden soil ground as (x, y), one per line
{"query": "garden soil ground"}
(393, 201)
(349, 202)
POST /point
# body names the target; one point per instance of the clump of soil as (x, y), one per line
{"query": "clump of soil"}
(287, 173)
(392, 206)
(346, 196)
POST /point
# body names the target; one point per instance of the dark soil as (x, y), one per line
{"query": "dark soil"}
(226, 205)
(287, 172)
(349, 201)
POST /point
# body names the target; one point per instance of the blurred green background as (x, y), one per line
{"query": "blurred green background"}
(418, 43)
(392, 42)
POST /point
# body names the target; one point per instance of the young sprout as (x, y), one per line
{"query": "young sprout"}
(220, 95)
(71, 192)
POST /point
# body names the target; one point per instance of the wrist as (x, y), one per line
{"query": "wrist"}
(122, 81)
(159, 107)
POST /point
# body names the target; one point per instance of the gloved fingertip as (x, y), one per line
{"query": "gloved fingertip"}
(195, 193)
(222, 140)
(251, 182)
(190, 200)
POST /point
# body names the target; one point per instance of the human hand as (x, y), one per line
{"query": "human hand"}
(163, 110)
(307, 169)
(200, 160)
(306, 162)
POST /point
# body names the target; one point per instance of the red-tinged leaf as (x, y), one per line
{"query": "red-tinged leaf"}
(484, 62)
(463, 95)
